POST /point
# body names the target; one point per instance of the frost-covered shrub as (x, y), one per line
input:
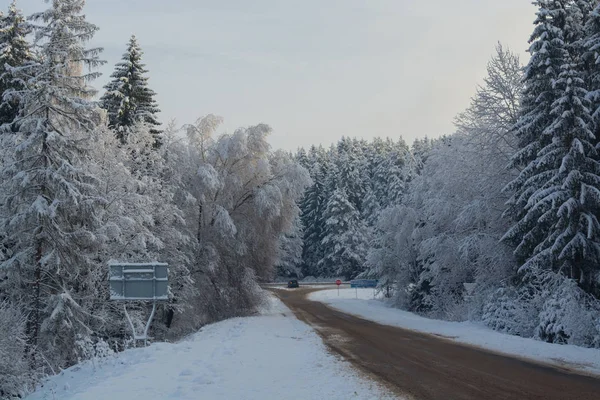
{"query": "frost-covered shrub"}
(569, 316)
(14, 374)
(88, 348)
(506, 312)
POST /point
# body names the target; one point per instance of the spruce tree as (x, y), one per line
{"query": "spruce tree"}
(344, 241)
(591, 59)
(564, 206)
(128, 99)
(349, 175)
(392, 171)
(370, 208)
(313, 206)
(548, 53)
(48, 196)
(14, 52)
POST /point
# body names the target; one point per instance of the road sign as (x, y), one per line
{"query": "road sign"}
(364, 283)
(338, 282)
(139, 282)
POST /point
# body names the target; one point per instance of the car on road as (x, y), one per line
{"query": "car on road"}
(293, 283)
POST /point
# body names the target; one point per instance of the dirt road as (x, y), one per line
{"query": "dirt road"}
(427, 367)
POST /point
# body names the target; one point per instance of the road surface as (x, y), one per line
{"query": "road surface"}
(427, 367)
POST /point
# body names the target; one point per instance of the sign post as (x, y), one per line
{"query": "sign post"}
(338, 283)
(139, 282)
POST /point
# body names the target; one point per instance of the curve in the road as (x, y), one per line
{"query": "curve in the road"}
(427, 367)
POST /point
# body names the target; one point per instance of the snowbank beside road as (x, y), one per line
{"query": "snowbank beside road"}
(367, 307)
(271, 356)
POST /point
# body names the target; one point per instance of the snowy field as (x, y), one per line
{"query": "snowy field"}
(364, 305)
(271, 356)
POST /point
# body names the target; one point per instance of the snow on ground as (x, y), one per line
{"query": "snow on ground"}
(363, 304)
(271, 356)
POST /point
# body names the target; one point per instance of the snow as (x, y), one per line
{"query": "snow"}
(270, 356)
(364, 304)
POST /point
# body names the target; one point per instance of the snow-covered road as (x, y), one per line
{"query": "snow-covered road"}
(271, 356)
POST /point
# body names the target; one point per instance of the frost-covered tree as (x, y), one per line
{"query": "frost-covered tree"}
(560, 224)
(15, 377)
(457, 228)
(313, 206)
(48, 194)
(348, 171)
(567, 315)
(393, 171)
(549, 52)
(128, 99)
(344, 241)
(14, 52)
(590, 46)
(439, 249)
(247, 200)
(289, 252)
(393, 256)
(494, 109)
(169, 236)
(370, 208)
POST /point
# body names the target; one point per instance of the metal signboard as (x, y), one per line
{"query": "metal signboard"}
(139, 281)
(364, 283)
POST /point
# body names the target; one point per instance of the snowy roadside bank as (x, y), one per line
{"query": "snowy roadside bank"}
(270, 356)
(367, 307)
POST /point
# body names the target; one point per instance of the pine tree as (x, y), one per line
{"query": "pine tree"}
(591, 59)
(48, 196)
(14, 52)
(344, 242)
(349, 175)
(128, 99)
(583, 11)
(564, 207)
(394, 179)
(370, 208)
(302, 157)
(313, 207)
(419, 151)
(548, 53)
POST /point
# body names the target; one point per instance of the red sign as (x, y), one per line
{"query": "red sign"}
(338, 282)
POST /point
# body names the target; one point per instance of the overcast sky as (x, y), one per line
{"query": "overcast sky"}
(315, 70)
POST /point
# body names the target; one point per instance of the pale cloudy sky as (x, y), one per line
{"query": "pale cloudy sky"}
(315, 70)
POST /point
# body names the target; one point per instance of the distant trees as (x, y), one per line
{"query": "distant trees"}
(351, 183)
